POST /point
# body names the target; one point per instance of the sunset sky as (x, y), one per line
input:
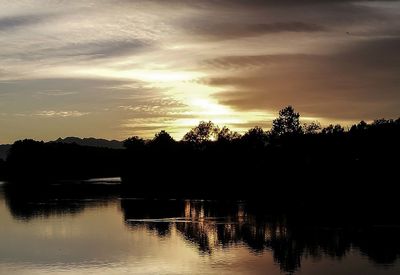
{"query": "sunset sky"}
(117, 68)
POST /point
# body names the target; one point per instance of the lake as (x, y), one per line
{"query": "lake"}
(103, 232)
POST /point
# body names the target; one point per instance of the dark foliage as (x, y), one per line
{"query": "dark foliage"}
(2, 169)
(293, 161)
(288, 123)
(4, 150)
(30, 160)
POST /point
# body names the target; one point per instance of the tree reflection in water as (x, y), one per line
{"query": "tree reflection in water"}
(56, 200)
(291, 235)
(212, 225)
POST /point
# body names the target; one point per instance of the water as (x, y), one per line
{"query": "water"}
(85, 233)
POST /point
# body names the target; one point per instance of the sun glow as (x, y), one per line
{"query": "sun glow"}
(210, 108)
(197, 101)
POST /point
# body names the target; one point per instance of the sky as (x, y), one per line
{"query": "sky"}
(118, 68)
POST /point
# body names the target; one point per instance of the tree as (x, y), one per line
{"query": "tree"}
(226, 135)
(2, 169)
(312, 128)
(162, 139)
(360, 127)
(333, 129)
(255, 137)
(288, 123)
(382, 121)
(203, 132)
(134, 143)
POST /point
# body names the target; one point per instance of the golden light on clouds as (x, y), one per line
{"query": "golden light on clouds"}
(173, 64)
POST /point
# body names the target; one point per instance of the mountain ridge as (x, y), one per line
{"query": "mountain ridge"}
(90, 141)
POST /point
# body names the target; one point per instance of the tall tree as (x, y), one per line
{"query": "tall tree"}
(288, 123)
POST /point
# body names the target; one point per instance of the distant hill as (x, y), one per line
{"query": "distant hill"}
(95, 142)
(4, 150)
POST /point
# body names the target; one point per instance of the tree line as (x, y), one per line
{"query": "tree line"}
(287, 125)
(295, 156)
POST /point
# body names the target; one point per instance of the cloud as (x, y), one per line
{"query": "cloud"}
(285, 27)
(241, 62)
(359, 82)
(247, 4)
(238, 19)
(52, 113)
(89, 51)
(76, 52)
(52, 37)
(56, 92)
(234, 31)
(12, 22)
(152, 108)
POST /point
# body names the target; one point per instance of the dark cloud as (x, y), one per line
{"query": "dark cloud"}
(232, 31)
(360, 82)
(286, 27)
(12, 22)
(251, 61)
(222, 20)
(252, 3)
(242, 6)
(101, 49)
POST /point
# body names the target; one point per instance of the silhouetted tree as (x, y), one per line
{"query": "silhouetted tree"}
(134, 143)
(205, 131)
(332, 130)
(312, 127)
(162, 139)
(255, 138)
(288, 122)
(286, 154)
(34, 160)
(382, 121)
(2, 169)
(226, 135)
(360, 127)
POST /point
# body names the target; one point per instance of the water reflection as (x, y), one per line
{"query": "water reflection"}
(212, 225)
(96, 230)
(59, 200)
